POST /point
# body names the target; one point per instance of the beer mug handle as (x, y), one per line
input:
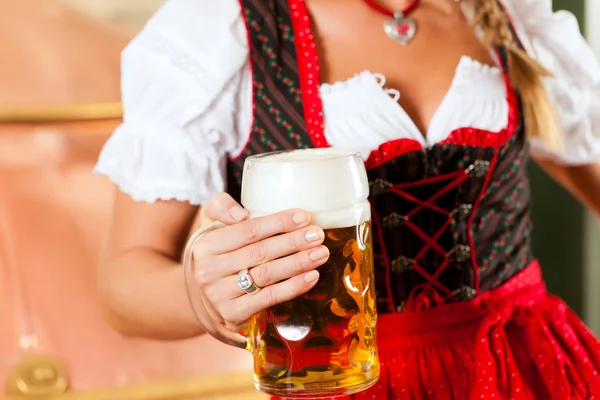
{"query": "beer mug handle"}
(202, 308)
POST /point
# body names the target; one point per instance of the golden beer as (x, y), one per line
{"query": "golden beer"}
(323, 343)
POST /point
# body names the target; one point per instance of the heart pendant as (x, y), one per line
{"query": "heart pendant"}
(401, 29)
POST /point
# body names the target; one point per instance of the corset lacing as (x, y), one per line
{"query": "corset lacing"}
(433, 291)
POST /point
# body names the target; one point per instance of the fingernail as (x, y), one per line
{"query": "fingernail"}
(319, 254)
(311, 276)
(238, 213)
(301, 218)
(313, 235)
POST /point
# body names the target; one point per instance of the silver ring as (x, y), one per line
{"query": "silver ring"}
(246, 283)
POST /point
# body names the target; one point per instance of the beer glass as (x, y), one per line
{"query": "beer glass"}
(322, 343)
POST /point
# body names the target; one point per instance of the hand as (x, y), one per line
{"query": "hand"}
(281, 252)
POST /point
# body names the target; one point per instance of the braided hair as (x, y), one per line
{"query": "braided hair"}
(525, 73)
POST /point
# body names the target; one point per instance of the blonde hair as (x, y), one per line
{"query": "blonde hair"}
(525, 73)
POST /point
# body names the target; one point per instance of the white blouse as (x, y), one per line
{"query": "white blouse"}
(187, 95)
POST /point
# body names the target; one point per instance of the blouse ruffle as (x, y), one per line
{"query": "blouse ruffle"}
(178, 95)
(554, 39)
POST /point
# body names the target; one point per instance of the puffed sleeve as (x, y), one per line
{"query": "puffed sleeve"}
(180, 77)
(554, 39)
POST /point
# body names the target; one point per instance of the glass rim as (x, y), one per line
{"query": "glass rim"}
(336, 154)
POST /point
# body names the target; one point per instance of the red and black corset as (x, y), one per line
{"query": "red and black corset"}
(450, 222)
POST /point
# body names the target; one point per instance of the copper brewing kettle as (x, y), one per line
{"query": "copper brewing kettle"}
(58, 104)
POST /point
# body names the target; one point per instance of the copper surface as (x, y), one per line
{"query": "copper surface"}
(53, 55)
(54, 219)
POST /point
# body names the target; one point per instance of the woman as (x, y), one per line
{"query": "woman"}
(458, 92)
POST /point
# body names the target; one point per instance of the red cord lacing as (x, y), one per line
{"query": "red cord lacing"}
(462, 253)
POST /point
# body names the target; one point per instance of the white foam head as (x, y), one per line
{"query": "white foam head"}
(331, 184)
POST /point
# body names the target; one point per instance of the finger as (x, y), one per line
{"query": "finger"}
(237, 312)
(237, 236)
(223, 208)
(275, 272)
(269, 249)
(216, 267)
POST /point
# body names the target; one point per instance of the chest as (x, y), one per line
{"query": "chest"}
(349, 38)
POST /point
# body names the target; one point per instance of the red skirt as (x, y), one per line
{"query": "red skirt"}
(515, 342)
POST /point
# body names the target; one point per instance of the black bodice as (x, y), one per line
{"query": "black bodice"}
(450, 222)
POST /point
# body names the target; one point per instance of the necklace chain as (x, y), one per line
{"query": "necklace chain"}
(411, 7)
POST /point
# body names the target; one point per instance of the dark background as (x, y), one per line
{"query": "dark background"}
(558, 234)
